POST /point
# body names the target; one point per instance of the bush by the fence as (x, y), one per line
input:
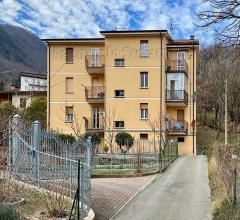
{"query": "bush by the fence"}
(70, 139)
(95, 137)
(8, 212)
(124, 139)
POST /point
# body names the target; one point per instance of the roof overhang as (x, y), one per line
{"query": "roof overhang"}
(75, 40)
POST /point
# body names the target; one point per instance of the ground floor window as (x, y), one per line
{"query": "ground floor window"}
(119, 124)
(69, 114)
(180, 139)
(143, 136)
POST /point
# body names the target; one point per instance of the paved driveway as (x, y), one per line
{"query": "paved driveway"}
(110, 194)
(181, 193)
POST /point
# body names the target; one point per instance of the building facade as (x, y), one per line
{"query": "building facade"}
(140, 82)
(28, 87)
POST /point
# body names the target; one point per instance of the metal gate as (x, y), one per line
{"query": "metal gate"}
(41, 159)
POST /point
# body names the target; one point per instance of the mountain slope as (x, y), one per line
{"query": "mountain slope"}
(21, 50)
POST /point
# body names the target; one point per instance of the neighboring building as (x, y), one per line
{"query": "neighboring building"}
(32, 82)
(130, 78)
(27, 87)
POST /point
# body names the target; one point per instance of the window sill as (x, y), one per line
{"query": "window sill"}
(119, 66)
(143, 87)
(69, 63)
(119, 128)
(144, 56)
(144, 119)
(68, 121)
(119, 97)
(69, 93)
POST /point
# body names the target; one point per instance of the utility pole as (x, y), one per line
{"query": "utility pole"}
(226, 112)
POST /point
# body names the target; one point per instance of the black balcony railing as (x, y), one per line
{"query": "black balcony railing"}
(177, 95)
(95, 61)
(176, 65)
(179, 126)
(95, 92)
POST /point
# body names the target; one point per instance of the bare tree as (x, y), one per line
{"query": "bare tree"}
(224, 17)
(110, 117)
(161, 126)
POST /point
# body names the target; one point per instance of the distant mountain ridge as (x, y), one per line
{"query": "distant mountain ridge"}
(21, 50)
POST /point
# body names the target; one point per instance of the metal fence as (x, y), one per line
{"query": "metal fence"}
(41, 159)
(134, 163)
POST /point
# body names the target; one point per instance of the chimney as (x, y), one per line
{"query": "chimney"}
(191, 37)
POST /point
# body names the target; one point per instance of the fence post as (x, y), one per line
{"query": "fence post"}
(36, 143)
(89, 153)
(16, 144)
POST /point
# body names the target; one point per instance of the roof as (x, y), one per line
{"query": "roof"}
(135, 32)
(131, 31)
(33, 75)
(184, 42)
(73, 40)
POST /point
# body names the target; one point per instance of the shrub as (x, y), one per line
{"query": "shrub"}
(124, 139)
(225, 211)
(7, 212)
(95, 137)
(105, 148)
(37, 111)
(70, 139)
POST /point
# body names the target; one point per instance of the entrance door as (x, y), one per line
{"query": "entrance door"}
(180, 115)
(172, 88)
(180, 120)
(95, 87)
(180, 60)
(95, 56)
(95, 118)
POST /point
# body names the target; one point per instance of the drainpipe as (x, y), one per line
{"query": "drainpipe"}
(161, 89)
(48, 123)
(193, 101)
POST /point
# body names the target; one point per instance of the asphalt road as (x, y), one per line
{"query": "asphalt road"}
(180, 193)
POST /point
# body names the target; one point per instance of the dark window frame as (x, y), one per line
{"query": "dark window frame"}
(143, 134)
(119, 122)
(119, 91)
(118, 60)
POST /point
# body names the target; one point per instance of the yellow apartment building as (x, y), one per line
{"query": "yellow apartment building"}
(125, 81)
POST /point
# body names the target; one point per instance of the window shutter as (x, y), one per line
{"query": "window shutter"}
(69, 85)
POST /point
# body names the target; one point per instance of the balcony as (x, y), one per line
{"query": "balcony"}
(94, 124)
(95, 64)
(177, 127)
(176, 97)
(95, 94)
(176, 66)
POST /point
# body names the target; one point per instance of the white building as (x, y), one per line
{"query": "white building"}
(28, 87)
(32, 82)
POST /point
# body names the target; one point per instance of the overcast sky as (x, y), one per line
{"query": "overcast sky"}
(85, 18)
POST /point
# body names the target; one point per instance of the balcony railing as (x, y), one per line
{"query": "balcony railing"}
(176, 96)
(94, 123)
(175, 126)
(95, 92)
(95, 63)
(176, 65)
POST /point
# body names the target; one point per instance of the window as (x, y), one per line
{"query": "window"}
(23, 102)
(143, 48)
(144, 110)
(119, 93)
(180, 139)
(69, 55)
(119, 124)
(143, 80)
(119, 62)
(69, 114)
(180, 60)
(69, 85)
(144, 136)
